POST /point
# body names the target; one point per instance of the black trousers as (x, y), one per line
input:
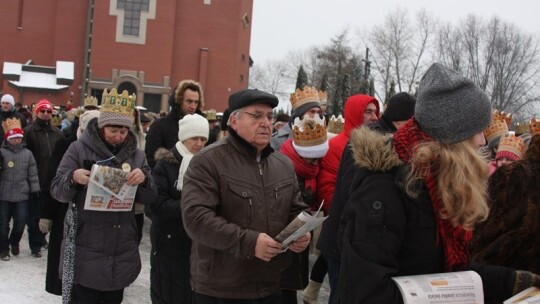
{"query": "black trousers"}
(87, 295)
(202, 299)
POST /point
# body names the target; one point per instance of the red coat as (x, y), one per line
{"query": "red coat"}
(354, 117)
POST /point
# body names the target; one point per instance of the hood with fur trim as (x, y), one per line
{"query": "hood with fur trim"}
(167, 156)
(373, 150)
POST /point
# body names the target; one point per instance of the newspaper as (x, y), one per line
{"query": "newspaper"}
(301, 225)
(107, 190)
(528, 296)
(463, 287)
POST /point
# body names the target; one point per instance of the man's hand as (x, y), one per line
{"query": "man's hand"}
(266, 248)
(301, 243)
(45, 225)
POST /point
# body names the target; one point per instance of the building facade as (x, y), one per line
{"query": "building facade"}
(143, 46)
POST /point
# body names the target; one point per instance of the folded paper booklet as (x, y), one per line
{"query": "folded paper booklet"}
(107, 190)
(464, 287)
(527, 296)
(301, 225)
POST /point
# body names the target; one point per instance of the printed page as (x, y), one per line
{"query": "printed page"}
(528, 296)
(452, 287)
(107, 190)
(301, 225)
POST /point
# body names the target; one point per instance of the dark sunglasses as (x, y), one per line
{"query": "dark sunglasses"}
(45, 111)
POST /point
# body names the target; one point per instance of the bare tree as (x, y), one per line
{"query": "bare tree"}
(272, 77)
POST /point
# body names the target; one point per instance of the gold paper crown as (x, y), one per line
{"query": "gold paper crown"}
(211, 114)
(300, 97)
(513, 144)
(90, 101)
(309, 131)
(56, 121)
(522, 127)
(113, 102)
(323, 96)
(534, 126)
(10, 124)
(498, 125)
(336, 124)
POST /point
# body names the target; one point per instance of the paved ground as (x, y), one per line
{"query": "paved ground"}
(23, 278)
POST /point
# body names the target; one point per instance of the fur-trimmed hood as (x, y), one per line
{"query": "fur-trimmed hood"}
(373, 150)
(167, 156)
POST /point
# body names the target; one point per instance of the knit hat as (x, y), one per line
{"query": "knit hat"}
(84, 119)
(12, 128)
(303, 100)
(42, 105)
(116, 109)
(246, 97)
(450, 108)
(511, 146)
(192, 125)
(400, 107)
(309, 137)
(9, 99)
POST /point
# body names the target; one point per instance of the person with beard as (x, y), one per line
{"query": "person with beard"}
(41, 137)
(8, 111)
(18, 182)
(186, 98)
(101, 254)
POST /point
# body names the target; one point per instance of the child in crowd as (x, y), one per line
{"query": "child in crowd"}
(18, 182)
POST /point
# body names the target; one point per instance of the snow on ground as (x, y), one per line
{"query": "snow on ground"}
(22, 279)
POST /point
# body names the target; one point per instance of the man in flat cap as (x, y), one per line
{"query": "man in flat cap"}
(237, 196)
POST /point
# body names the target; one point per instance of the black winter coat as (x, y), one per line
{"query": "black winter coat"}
(171, 246)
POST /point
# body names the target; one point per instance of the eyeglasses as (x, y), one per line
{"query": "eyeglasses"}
(45, 111)
(259, 116)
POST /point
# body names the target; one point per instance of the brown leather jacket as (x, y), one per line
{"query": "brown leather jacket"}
(229, 198)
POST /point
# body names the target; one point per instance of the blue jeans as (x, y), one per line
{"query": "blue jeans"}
(19, 212)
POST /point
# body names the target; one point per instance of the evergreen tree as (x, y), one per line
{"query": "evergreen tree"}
(324, 83)
(301, 79)
(371, 91)
(391, 91)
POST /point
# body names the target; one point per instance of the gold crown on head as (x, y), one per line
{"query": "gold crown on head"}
(534, 126)
(522, 127)
(498, 125)
(323, 96)
(309, 131)
(335, 125)
(118, 103)
(90, 101)
(513, 144)
(300, 97)
(211, 114)
(56, 121)
(10, 124)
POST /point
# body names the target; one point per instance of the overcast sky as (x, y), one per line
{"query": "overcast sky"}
(282, 25)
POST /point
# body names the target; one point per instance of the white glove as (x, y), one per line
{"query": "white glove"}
(45, 225)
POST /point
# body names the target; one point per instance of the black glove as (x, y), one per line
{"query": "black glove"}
(34, 196)
(524, 280)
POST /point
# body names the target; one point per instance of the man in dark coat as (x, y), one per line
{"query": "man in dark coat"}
(187, 98)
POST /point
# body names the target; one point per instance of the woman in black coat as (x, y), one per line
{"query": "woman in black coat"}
(171, 246)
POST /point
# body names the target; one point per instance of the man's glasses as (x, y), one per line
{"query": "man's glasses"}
(259, 116)
(45, 111)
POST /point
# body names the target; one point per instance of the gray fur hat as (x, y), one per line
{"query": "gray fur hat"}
(450, 108)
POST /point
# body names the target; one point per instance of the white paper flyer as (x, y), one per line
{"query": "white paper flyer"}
(107, 190)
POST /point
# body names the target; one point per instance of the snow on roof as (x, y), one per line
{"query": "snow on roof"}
(38, 80)
(27, 76)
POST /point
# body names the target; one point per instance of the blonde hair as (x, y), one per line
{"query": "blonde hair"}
(461, 174)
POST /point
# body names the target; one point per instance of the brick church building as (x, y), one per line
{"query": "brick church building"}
(65, 49)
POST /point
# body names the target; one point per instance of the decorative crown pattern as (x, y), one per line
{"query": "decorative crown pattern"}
(56, 121)
(90, 101)
(300, 97)
(335, 125)
(309, 131)
(534, 126)
(323, 96)
(498, 125)
(211, 114)
(522, 127)
(113, 102)
(10, 124)
(512, 143)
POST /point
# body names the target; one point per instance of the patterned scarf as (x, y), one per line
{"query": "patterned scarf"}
(303, 169)
(455, 239)
(68, 268)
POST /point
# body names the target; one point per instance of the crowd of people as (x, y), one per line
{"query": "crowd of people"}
(432, 183)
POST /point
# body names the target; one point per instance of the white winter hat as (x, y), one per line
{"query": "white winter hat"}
(192, 125)
(9, 99)
(84, 119)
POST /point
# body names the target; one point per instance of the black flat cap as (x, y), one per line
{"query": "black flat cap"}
(246, 97)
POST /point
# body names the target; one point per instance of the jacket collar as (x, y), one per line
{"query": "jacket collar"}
(240, 144)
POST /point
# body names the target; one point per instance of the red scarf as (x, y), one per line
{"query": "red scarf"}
(455, 239)
(307, 171)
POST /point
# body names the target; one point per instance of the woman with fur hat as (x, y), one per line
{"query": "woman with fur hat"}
(171, 246)
(308, 145)
(105, 249)
(414, 202)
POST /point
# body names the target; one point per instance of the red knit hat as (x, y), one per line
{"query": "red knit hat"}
(13, 133)
(44, 104)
